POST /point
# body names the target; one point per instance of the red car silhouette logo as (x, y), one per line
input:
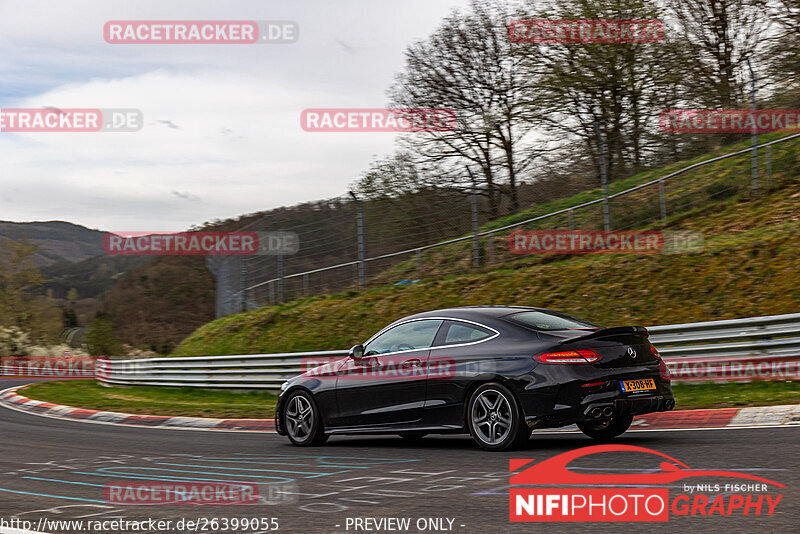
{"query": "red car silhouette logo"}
(554, 470)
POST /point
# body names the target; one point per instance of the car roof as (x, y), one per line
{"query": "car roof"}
(474, 312)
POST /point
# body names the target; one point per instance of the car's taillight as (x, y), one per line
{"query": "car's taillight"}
(663, 370)
(593, 384)
(569, 356)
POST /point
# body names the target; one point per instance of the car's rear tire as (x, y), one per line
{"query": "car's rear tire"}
(523, 436)
(607, 430)
(412, 435)
(494, 418)
(303, 420)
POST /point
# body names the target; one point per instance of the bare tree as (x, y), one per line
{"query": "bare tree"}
(616, 87)
(390, 177)
(467, 66)
(784, 53)
(723, 35)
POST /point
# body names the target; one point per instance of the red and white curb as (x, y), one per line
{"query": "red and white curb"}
(11, 399)
(760, 416)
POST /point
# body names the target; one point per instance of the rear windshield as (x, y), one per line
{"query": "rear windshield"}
(549, 320)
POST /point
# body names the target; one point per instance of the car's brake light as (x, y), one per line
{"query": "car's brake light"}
(654, 351)
(663, 370)
(569, 356)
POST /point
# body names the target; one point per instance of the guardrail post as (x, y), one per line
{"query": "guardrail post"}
(769, 165)
(491, 248)
(271, 294)
(419, 263)
(754, 133)
(305, 285)
(280, 279)
(603, 178)
(476, 245)
(362, 266)
(662, 200)
(242, 305)
(571, 220)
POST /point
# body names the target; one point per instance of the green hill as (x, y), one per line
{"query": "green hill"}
(56, 241)
(747, 267)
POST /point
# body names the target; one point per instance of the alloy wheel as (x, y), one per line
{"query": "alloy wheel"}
(492, 416)
(299, 418)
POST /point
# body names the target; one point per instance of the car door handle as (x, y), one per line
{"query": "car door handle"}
(412, 363)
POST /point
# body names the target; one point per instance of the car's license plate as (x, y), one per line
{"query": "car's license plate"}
(642, 384)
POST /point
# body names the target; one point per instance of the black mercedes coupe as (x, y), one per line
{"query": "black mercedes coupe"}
(495, 372)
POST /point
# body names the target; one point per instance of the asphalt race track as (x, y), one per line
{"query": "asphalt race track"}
(56, 470)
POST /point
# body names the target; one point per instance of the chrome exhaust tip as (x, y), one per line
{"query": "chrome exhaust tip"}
(595, 413)
(669, 404)
(608, 411)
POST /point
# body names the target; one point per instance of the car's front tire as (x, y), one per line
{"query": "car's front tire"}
(494, 418)
(607, 430)
(302, 420)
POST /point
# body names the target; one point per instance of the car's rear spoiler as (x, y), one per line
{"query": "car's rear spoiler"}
(610, 332)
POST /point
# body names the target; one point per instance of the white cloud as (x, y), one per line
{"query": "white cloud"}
(221, 123)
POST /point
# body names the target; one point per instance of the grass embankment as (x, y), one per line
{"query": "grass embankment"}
(189, 402)
(734, 395)
(751, 273)
(149, 400)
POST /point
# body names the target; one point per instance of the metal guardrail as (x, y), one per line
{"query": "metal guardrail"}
(251, 371)
(755, 348)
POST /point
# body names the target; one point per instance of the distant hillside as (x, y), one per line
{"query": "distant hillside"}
(161, 302)
(90, 278)
(58, 241)
(71, 256)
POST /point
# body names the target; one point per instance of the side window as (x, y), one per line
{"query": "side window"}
(457, 332)
(407, 336)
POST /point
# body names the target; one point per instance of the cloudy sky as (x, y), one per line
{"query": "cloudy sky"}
(221, 133)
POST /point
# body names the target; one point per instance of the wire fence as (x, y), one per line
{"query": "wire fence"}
(348, 244)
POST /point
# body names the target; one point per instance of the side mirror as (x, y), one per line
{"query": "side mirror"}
(357, 352)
